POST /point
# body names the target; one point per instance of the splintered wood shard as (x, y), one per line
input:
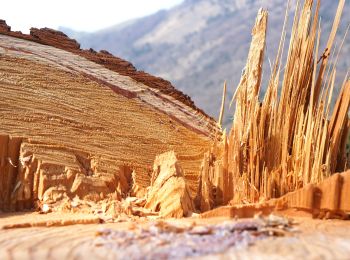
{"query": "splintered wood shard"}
(329, 45)
(169, 194)
(222, 109)
(285, 142)
(247, 107)
(338, 129)
(289, 139)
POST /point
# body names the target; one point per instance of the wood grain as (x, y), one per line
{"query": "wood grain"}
(316, 239)
(77, 118)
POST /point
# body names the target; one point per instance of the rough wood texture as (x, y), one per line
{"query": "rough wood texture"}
(215, 187)
(316, 239)
(247, 109)
(59, 40)
(93, 125)
(285, 141)
(83, 128)
(328, 199)
(168, 192)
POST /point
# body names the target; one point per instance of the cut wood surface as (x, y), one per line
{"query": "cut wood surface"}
(72, 125)
(59, 40)
(315, 239)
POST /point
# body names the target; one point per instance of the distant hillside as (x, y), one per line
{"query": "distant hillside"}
(200, 43)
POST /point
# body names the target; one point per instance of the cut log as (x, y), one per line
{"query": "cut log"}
(85, 116)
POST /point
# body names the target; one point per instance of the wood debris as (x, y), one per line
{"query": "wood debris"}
(54, 223)
(168, 193)
(175, 241)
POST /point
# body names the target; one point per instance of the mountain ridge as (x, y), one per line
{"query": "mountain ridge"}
(200, 43)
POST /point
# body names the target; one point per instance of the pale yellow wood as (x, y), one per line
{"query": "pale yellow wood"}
(316, 239)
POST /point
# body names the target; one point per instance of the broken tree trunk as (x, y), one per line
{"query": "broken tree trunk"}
(289, 139)
(286, 141)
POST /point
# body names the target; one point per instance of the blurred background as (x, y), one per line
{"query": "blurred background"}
(195, 44)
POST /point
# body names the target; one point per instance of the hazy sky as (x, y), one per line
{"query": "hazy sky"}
(88, 15)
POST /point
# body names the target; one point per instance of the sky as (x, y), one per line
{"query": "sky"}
(80, 15)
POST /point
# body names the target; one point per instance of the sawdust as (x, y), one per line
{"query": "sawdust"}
(174, 241)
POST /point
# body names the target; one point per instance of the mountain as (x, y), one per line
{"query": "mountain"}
(200, 43)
